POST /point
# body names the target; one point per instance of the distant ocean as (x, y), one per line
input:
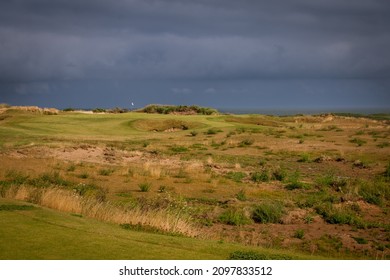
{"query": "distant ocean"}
(305, 111)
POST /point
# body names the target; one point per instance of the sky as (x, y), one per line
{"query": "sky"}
(291, 54)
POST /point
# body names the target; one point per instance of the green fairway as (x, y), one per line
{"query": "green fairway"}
(91, 126)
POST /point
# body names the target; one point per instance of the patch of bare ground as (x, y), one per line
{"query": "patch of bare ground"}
(317, 237)
(98, 155)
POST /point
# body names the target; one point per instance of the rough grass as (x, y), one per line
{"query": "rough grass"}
(64, 236)
(234, 217)
(268, 212)
(215, 167)
(91, 206)
(164, 125)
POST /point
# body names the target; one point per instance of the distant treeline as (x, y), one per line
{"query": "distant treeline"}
(178, 109)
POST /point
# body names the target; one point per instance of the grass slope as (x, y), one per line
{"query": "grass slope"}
(40, 233)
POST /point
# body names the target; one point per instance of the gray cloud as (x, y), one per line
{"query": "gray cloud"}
(61, 40)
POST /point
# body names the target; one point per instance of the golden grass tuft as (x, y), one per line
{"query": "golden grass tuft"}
(68, 201)
(61, 200)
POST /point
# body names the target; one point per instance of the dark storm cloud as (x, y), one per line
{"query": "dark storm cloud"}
(49, 40)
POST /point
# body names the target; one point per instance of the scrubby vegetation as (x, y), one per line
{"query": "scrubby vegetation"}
(245, 179)
(179, 109)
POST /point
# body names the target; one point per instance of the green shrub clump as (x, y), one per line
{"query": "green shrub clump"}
(262, 176)
(268, 212)
(144, 187)
(342, 215)
(234, 217)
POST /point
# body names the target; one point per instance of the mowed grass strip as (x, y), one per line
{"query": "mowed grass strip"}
(71, 126)
(47, 234)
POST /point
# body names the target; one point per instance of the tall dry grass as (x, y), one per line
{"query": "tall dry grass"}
(68, 201)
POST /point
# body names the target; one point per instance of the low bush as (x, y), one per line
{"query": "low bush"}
(299, 233)
(374, 192)
(330, 180)
(279, 174)
(90, 190)
(16, 178)
(49, 180)
(234, 217)
(144, 187)
(341, 215)
(71, 168)
(246, 142)
(360, 240)
(305, 157)
(212, 131)
(268, 212)
(262, 176)
(83, 175)
(313, 199)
